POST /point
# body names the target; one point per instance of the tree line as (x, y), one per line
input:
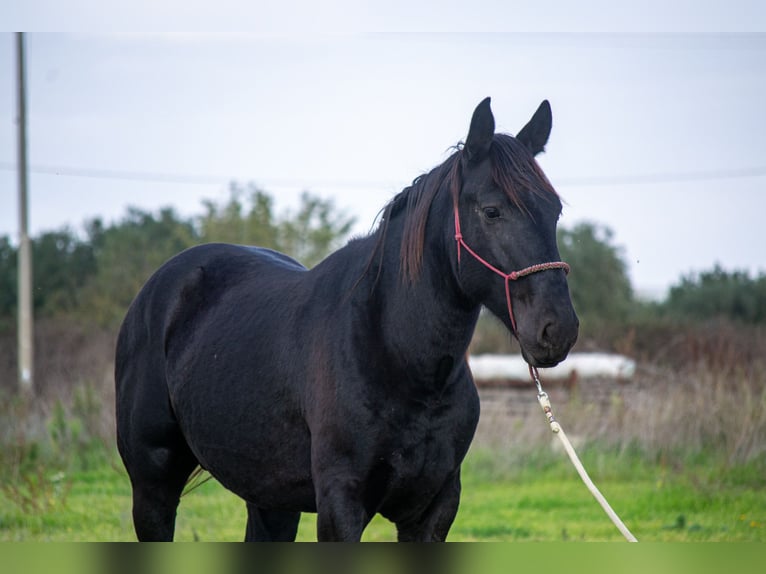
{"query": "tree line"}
(602, 292)
(93, 275)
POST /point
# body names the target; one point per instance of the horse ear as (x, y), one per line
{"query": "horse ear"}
(480, 133)
(535, 134)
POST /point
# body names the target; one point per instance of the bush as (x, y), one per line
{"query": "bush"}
(719, 294)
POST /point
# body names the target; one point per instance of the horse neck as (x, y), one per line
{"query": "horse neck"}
(429, 318)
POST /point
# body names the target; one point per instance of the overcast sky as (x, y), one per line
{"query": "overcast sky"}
(660, 137)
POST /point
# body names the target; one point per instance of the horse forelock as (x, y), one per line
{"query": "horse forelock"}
(514, 170)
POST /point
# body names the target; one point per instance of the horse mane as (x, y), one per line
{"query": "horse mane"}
(514, 169)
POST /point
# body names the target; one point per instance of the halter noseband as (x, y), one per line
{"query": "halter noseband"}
(512, 276)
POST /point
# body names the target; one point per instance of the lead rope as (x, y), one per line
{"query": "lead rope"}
(542, 396)
(545, 403)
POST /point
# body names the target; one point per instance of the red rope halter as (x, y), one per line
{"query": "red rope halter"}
(512, 276)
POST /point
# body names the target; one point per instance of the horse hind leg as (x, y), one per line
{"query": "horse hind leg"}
(271, 525)
(158, 478)
(158, 462)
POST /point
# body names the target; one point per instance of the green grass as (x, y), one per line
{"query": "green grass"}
(532, 498)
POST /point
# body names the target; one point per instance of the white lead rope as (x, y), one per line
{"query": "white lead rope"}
(545, 403)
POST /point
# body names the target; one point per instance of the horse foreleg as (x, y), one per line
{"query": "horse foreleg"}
(271, 525)
(434, 524)
(341, 515)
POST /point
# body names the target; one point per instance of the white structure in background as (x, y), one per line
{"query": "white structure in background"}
(577, 365)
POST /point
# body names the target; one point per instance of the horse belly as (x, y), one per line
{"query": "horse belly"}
(280, 480)
(253, 444)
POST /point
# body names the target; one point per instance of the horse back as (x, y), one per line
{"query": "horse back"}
(188, 285)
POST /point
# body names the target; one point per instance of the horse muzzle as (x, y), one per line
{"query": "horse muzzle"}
(550, 341)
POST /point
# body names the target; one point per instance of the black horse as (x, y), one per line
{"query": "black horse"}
(344, 389)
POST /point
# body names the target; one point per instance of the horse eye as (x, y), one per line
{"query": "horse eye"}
(491, 212)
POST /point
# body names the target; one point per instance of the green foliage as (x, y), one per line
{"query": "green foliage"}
(96, 278)
(248, 221)
(39, 491)
(314, 231)
(62, 264)
(8, 279)
(126, 255)
(718, 293)
(39, 454)
(599, 283)
(307, 235)
(75, 441)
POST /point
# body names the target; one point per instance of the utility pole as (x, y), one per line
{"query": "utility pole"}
(25, 327)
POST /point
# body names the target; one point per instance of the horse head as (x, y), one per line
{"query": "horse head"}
(505, 217)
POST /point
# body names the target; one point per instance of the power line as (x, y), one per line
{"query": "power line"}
(669, 177)
(185, 179)
(201, 179)
(96, 173)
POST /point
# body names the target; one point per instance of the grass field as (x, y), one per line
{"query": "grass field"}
(539, 499)
(679, 454)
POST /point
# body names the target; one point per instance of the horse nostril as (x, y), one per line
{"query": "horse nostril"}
(547, 334)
